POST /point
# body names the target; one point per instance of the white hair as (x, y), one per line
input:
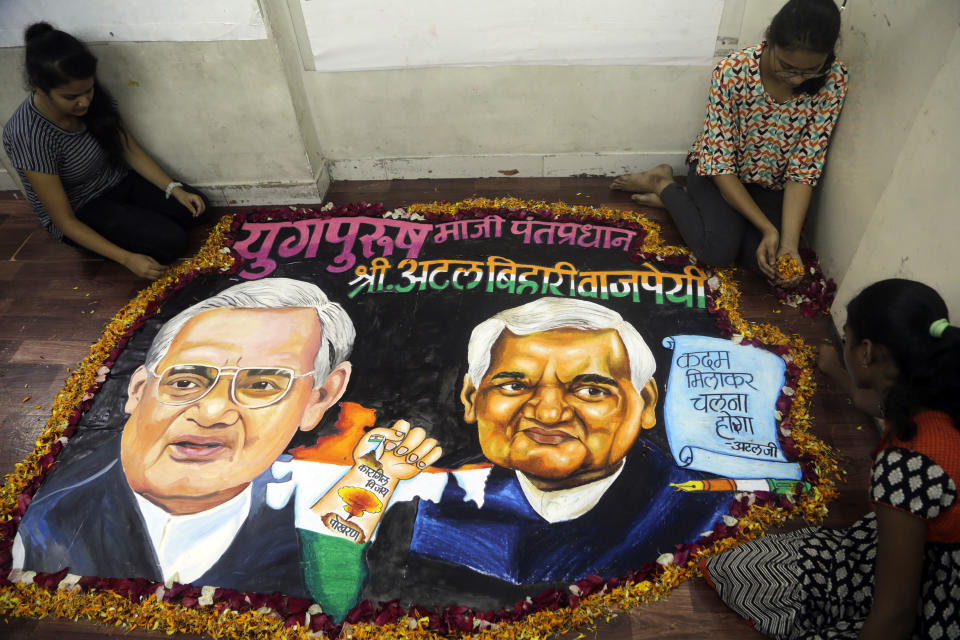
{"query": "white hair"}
(547, 314)
(337, 334)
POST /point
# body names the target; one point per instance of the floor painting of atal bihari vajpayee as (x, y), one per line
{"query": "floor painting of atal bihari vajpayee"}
(470, 418)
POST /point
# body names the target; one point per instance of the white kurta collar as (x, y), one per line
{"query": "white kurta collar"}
(566, 504)
(187, 546)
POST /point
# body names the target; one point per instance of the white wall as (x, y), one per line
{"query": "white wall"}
(479, 120)
(912, 230)
(283, 30)
(532, 120)
(893, 50)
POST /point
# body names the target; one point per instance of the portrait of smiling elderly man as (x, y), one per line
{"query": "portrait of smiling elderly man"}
(225, 386)
(560, 391)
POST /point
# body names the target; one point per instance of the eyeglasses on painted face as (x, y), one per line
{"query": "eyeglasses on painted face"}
(795, 73)
(250, 387)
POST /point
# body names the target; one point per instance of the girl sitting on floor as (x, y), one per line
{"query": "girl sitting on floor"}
(752, 169)
(74, 156)
(895, 573)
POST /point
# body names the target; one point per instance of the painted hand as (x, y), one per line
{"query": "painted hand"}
(405, 453)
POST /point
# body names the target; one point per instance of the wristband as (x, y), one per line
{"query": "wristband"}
(170, 187)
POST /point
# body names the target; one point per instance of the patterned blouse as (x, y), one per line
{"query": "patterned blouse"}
(817, 583)
(920, 477)
(749, 134)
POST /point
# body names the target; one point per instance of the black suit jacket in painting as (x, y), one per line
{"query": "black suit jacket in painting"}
(453, 552)
(93, 527)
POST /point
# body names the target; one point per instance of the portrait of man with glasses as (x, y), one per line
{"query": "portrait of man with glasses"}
(225, 386)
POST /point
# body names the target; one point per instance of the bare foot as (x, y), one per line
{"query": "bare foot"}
(648, 200)
(650, 181)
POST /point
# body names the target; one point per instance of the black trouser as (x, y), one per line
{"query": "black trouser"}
(136, 216)
(716, 232)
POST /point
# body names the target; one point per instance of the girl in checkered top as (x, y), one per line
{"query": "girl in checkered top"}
(896, 572)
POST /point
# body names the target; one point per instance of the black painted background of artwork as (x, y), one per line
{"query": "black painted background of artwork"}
(409, 358)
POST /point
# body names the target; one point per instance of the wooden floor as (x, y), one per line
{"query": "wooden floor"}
(54, 300)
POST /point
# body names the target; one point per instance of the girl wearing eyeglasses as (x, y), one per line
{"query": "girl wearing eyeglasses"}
(752, 168)
(74, 158)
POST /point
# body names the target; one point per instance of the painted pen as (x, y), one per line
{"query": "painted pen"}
(749, 485)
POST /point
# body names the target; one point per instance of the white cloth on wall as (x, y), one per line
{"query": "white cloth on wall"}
(353, 35)
(135, 20)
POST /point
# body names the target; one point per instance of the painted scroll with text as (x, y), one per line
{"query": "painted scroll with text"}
(720, 409)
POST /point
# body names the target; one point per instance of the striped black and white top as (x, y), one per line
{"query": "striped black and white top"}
(34, 143)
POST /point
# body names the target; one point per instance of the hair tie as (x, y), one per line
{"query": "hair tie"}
(937, 327)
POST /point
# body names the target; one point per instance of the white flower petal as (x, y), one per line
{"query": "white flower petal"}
(69, 582)
(206, 596)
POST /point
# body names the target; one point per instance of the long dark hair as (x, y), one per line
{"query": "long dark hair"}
(813, 25)
(55, 58)
(897, 314)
